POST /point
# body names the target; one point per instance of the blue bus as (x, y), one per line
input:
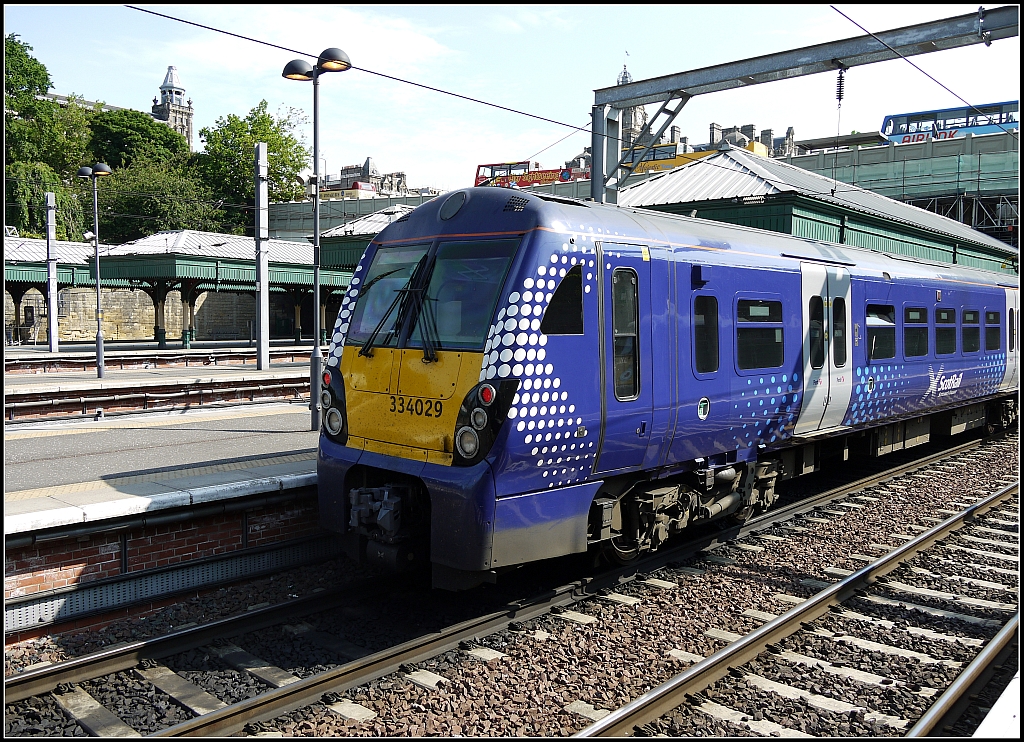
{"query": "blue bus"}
(948, 123)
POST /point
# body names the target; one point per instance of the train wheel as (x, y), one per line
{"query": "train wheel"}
(617, 551)
(740, 516)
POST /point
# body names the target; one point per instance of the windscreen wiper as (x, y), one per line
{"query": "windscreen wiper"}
(427, 321)
(401, 295)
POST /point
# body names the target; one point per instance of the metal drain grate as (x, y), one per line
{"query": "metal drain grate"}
(63, 605)
(516, 203)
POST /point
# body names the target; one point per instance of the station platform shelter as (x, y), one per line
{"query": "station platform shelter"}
(209, 278)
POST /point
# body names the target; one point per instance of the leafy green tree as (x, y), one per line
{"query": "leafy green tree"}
(227, 162)
(25, 201)
(155, 193)
(25, 77)
(118, 137)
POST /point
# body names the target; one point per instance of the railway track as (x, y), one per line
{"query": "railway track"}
(756, 657)
(414, 686)
(61, 403)
(148, 360)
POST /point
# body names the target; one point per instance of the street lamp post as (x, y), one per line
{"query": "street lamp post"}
(99, 170)
(331, 60)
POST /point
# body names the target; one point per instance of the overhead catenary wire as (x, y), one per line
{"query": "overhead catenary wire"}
(1011, 132)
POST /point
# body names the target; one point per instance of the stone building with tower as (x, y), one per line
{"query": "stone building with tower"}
(172, 108)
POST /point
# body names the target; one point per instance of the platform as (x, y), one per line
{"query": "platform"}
(1003, 720)
(65, 473)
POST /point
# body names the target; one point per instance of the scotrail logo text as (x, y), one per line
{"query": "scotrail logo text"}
(941, 385)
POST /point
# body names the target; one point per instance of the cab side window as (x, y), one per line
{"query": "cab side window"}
(564, 315)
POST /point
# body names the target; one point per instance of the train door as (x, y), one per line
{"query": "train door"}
(1011, 377)
(827, 381)
(625, 368)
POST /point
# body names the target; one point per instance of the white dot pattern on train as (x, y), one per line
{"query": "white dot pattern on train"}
(543, 414)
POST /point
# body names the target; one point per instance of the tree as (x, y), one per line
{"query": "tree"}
(25, 201)
(25, 77)
(118, 137)
(227, 162)
(156, 193)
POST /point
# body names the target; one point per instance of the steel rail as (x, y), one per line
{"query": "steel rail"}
(126, 656)
(155, 358)
(232, 719)
(672, 693)
(275, 702)
(945, 705)
(212, 389)
(41, 680)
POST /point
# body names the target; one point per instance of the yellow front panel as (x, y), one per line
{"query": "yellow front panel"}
(417, 421)
(368, 374)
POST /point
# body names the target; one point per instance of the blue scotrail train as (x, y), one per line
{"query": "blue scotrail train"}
(514, 377)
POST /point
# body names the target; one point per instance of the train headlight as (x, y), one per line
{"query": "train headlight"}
(333, 421)
(468, 442)
(325, 399)
(478, 418)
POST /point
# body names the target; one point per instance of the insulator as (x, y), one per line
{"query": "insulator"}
(840, 83)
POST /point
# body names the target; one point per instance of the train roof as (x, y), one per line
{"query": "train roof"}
(501, 211)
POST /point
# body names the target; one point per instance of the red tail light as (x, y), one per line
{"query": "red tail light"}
(327, 378)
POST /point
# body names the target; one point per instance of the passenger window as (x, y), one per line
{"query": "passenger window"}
(945, 337)
(564, 315)
(626, 359)
(759, 346)
(970, 332)
(705, 334)
(816, 331)
(993, 333)
(881, 326)
(839, 332)
(1012, 334)
(915, 332)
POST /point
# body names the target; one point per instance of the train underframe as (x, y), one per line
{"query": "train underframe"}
(389, 514)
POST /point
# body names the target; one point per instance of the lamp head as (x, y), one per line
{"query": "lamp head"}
(101, 169)
(84, 172)
(298, 69)
(333, 60)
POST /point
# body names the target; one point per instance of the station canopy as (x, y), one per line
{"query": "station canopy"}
(739, 187)
(342, 246)
(186, 259)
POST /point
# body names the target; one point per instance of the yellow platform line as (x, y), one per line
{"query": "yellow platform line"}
(67, 489)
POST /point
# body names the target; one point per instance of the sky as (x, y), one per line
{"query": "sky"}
(546, 60)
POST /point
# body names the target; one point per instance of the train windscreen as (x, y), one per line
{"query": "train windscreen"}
(392, 270)
(462, 292)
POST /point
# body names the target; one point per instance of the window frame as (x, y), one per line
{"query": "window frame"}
(998, 326)
(718, 335)
(944, 326)
(921, 324)
(636, 333)
(966, 325)
(868, 326)
(775, 325)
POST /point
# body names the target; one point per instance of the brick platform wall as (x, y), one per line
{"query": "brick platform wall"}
(67, 562)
